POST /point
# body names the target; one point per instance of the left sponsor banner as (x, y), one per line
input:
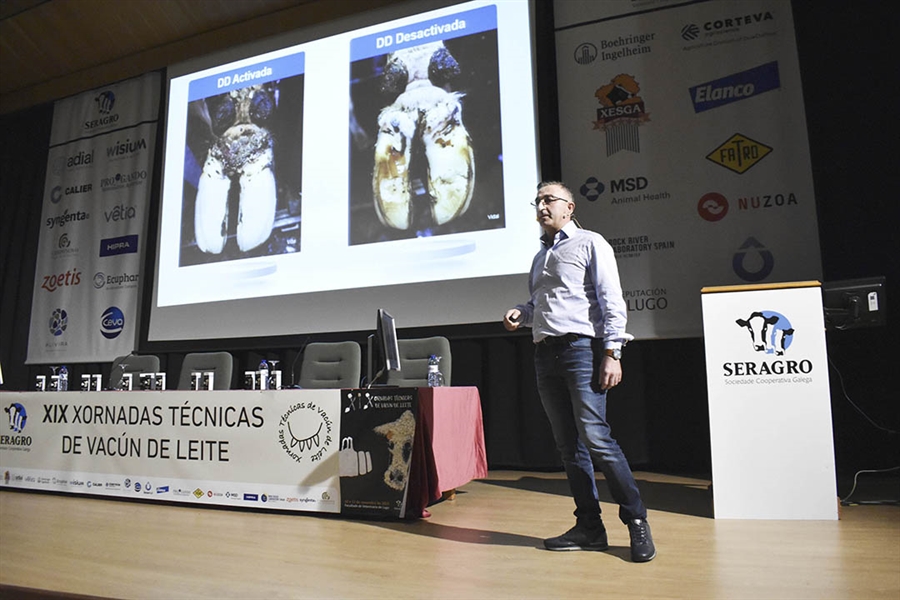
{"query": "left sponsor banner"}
(276, 450)
(95, 202)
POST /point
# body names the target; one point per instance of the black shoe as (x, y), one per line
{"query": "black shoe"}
(579, 537)
(642, 548)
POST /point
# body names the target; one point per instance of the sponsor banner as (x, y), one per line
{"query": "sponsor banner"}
(95, 203)
(769, 402)
(683, 138)
(301, 450)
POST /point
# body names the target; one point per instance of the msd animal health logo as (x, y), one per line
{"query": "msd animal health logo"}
(767, 337)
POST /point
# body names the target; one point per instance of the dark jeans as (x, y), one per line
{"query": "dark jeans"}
(567, 373)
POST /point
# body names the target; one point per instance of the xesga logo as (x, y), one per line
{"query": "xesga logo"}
(112, 322)
(770, 332)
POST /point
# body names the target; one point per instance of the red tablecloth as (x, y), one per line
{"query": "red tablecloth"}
(449, 447)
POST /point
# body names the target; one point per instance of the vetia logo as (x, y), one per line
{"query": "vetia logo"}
(735, 87)
(120, 213)
(54, 282)
(738, 153)
(126, 148)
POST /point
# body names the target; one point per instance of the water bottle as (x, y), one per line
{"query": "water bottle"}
(63, 379)
(263, 375)
(435, 377)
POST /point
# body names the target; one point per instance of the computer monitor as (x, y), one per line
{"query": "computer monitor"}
(383, 352)
(854, 303)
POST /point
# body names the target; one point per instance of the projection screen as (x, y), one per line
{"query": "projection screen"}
(311, 179)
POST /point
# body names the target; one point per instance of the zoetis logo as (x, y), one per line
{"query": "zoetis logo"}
(735, 87)
(738, 153)
(770, 335)
(620, 114)
(53, 282)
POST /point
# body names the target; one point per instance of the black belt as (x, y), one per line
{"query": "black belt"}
(556, 340)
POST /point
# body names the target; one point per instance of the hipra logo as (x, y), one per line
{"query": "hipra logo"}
(620, 114)
(585, 53)
(112, 321)
(735, 87)
(712, 207)
(753, 262)
(126, 244)
(738, 153)
(770, 332)
(17, 416)
(59, 320)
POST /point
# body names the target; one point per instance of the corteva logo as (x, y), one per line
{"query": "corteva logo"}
(735, 87)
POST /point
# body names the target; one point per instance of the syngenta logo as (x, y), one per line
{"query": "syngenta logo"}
(735, 87)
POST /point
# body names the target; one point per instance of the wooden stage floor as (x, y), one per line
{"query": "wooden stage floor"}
(485, 543)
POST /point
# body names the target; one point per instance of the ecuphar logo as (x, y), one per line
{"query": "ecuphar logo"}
(735, 87)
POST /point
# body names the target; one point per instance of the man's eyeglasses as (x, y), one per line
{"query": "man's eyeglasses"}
(547, 201)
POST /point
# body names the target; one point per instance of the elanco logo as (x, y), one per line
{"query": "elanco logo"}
(735, 87)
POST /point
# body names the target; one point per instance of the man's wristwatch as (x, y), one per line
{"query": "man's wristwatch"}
(613, 353)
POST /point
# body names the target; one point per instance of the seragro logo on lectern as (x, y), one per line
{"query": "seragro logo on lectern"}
(768, 335)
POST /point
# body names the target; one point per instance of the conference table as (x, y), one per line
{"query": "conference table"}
(376, 452)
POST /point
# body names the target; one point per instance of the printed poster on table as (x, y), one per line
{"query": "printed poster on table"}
(88, 271)
(683, 138)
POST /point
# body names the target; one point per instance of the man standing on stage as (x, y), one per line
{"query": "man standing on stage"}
(578, 318)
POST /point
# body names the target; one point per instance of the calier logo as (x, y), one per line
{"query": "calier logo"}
(735, 87)
(738, 153)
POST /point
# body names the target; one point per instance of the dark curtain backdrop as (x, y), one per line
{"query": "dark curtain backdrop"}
(660, 412)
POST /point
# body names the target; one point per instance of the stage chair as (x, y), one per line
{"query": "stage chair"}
(414, 354)
(331, 365)
(134, 364)
(221, 363)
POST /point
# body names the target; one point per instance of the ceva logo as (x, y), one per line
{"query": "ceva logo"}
(735, 87)
(112, 322)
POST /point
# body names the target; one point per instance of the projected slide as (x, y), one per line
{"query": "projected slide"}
(243, 163)
(433, 110)
(393, 159)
